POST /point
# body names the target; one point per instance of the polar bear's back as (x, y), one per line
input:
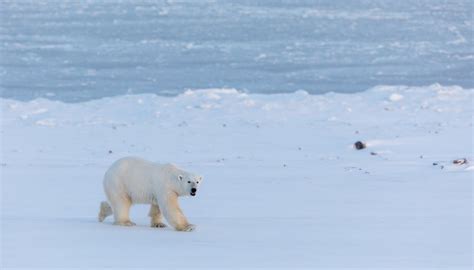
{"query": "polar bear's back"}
(134, 177)
(126, 167)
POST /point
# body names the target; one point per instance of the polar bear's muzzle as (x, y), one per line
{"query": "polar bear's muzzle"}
(193, 192)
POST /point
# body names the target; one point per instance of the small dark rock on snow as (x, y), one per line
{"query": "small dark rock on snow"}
(460, 161)
(359, 145)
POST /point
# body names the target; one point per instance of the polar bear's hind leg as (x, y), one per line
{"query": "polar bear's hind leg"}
(105, 211)
(121, 209)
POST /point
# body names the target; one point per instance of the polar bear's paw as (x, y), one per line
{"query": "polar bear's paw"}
(158, 225)
(188, 228)
(125, 223)
(105, 211)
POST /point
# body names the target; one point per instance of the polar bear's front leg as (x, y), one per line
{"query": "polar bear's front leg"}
(174, 215)
(155, 215)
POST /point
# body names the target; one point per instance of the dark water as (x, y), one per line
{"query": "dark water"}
(81, 50)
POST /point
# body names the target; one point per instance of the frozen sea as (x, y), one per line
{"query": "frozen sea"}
(81, 50)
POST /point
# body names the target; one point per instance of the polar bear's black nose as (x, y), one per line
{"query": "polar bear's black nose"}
(193, 190)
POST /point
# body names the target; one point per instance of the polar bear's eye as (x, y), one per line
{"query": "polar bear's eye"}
(189, 182)
(197, 182)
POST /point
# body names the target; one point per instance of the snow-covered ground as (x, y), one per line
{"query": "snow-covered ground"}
(283, 185)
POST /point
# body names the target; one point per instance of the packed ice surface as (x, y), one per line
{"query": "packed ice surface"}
(81, 50)
(283, 185)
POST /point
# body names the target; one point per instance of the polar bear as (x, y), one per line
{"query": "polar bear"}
(132, 180)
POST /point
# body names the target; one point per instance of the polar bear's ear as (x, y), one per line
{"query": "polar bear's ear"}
(180, 177)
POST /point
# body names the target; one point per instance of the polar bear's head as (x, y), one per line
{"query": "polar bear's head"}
(189, 183)
(186, 183)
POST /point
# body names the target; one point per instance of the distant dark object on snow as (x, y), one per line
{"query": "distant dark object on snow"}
(373, 153)
(359, 145)
(460, 161)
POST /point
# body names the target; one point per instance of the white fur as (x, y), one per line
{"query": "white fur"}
(136, 181)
